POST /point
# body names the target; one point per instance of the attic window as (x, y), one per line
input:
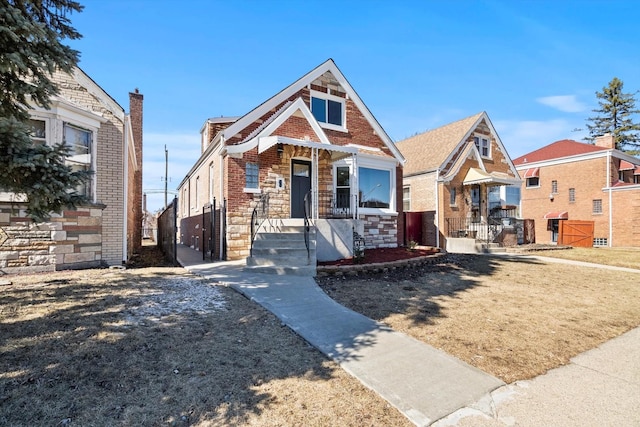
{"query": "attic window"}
(483, 144)
(328, 110)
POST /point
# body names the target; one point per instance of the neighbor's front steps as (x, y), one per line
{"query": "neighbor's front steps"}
(279, 248)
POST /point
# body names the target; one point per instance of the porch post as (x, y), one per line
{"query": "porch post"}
(316, 181)
(354, 187)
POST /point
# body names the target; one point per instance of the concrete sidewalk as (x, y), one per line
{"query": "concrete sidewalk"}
(600, 387)
(425, 384)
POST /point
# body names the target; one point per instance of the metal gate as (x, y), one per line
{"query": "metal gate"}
(576, 233)
(167, 232)
(208, 230)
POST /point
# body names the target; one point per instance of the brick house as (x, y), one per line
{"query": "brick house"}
(570, 180)
(462, 181)
(314, 141)
(102, 139)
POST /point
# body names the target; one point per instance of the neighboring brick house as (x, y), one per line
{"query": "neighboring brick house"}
(102, 139)
(315, 138)
(462, 179)
(570, 180)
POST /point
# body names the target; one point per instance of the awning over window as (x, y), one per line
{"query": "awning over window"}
(557, 215)
(478, 176)
(626, 166)
(532, 173)
(637, 170)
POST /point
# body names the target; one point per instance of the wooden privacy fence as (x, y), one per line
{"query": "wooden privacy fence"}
(576, 233)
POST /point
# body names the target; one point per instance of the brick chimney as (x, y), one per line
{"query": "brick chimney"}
(134, 216)
(606, 141)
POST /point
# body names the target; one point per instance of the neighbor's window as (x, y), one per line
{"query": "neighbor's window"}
(328, 109)
(374, 188)
(79, 142)
(597, 206)
(38, 131)
(534, 181)
(572, 195)
(343, 188)
(554, 186)
(406, 198)
(484, 145)
(452, 196)
(251, 174)
(600, 241)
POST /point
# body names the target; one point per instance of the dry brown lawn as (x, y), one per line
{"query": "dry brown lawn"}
(619, 257)
(157, 346)
(513, 318)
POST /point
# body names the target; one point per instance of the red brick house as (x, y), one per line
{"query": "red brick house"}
(314, 144)
(458, 177)
(103, 139)
(572, 181)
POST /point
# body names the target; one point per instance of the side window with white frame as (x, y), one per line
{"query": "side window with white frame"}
(452, 196)
(79, 142)
(483, 144)
(406, 198)
(533, 182)
(328, 110)
(38, 131)
(343, 187)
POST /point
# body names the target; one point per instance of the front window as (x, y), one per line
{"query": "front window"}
(374, 188)
(251, 175)
(328, 110)
(78, 141)
(483, 144)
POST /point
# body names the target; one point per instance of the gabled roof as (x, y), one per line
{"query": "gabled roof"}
(556, 150)
(327, 66)
(429, 150)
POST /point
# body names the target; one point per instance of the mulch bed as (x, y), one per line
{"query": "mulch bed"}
(373, 256)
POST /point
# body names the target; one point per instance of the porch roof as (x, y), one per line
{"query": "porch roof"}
(266, 142)
(478, 176)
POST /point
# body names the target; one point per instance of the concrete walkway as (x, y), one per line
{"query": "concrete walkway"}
(425, 384)
(600, 387)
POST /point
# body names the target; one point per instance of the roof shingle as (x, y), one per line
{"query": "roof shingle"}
(556, 150)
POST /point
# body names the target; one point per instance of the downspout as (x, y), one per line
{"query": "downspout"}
(125, 147)
(610, 241)
(437, 213)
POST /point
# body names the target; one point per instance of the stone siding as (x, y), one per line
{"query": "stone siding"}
(380, 231)
(68, 241)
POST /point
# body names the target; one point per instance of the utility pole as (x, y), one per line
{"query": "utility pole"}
(166, 174)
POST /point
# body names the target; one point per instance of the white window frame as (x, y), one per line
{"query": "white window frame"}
(197, 195)
(453, 196)
(326, 96)
(572, 195)
(81, 160)
(406, 200)
(372, 162)
(248, 189)
(478, 140)
(55, 119)
(532, 186)
(211, 182)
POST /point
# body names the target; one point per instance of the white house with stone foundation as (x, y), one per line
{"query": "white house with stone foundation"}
(311, 161)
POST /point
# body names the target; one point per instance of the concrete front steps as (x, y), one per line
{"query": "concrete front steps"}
(279, 248)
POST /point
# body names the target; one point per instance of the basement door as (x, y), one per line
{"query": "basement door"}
(300, 186)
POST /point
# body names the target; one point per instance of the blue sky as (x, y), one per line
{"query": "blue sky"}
(533, 66)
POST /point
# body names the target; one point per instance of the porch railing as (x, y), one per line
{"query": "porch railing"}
(337, 205)
(487, 231)
(307, 211)
(258, 216)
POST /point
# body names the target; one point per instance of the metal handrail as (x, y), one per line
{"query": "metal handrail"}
(307, 209)
(258, 216)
